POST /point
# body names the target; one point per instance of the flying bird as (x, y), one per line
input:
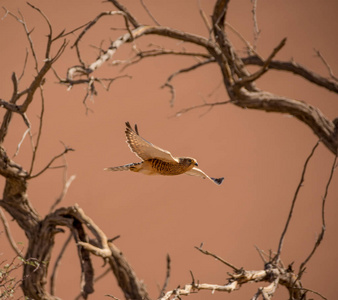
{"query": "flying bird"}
(156, 161)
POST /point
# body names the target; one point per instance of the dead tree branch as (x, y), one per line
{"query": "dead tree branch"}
(321, 235)
(277, 257)
(167, 276)
(238, 81)
(295, 68)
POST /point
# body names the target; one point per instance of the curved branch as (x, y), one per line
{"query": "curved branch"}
(296, 69)
(137, 33)
(310, 115)
(240, 84)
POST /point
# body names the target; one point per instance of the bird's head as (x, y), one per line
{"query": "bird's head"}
(188, 161)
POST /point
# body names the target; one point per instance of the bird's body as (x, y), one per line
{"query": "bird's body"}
(156, 161)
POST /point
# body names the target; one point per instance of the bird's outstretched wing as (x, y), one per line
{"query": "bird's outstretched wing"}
(198, 172)
(144, 149)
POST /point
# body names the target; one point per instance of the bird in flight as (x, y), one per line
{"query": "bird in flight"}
(156, 161)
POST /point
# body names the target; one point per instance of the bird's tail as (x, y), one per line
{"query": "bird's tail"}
(123, 168)
(217, 180)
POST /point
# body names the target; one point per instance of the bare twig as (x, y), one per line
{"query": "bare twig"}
(9, 234)
(218, 258)
(35, 148)
(314, 292)
(149, 13)
(130, 17)
(321, 235)
(260, 252)
(277, 256)
(254, 17)
(326, 64)
(296, 69)
(111, 296)
(204, 18)
(67, 149)
(157, 52)
(265, 66)
(50, 35)
(167, 276)
(21, 141)
(22, 21)
(57, 263)
(209, 105)
(250, 49)
(193, 67)
(66, 185)
(24, 65)
(91, 24)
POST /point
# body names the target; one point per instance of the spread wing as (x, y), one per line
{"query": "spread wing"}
(198, 172)
(144, 149)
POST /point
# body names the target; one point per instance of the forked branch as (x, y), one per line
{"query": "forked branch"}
(239, 83)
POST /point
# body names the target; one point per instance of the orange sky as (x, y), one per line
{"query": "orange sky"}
(260, 155)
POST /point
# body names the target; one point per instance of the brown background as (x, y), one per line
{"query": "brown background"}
(261, 155)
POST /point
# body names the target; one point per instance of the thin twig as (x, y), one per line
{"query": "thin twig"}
(265, 66)
(157, 52)
(218, 258)
(20, 143)
(111, 296)
(167, 276)
(256, 28)
(30, 41)
(312, 291)
(193, 67)
(251, 49)
(50, 163)
(210, 105)
(91, 24)
(122, 8)
(326, 64)
(204, 18)
(24, 65)
(149, 13)
(57, 263)
(260, 252)
(50, 35)
(277, 256)
(66, 186)
(9, 234)
(35, 149)
(321, 235)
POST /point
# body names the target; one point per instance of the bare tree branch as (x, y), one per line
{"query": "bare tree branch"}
(66, 185)
(326, 65)
(321, 235)
(57, 263)
(237, 79)
(9, 234)
(300, 184)
(218, 258)
(130, 17)
(265, 66)
(171, 87)
(255, 22)
(166, 281)
(209, 105)
(149, 13)
(50, 163)
(296, 69)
